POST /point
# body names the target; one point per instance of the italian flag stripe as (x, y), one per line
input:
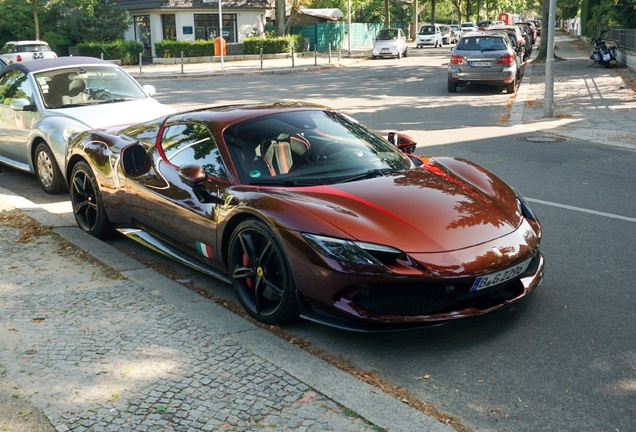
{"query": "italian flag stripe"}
(204, 250)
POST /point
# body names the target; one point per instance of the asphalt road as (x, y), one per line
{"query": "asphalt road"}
(563, 359)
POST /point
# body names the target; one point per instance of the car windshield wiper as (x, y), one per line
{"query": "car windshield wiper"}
(117, 100)
(371, 174)
(490, 49)
(73, 105)
(285, 182)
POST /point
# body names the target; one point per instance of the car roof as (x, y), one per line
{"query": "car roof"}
(29, 42)
(56, 63)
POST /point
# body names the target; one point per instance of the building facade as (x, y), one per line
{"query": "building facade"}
(157, 20)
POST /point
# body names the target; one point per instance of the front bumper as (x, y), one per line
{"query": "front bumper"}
(419, 290)
(385, 52)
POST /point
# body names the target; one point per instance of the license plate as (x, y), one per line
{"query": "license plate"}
(481, 64)
(483, 282)
(385, 49)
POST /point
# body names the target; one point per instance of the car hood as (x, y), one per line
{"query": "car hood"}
(116, 113)
(420, 211)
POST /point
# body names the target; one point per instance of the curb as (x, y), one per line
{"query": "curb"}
(251, 72)
(370, 403)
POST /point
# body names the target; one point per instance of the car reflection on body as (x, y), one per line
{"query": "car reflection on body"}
(306, 212)
(44, 102)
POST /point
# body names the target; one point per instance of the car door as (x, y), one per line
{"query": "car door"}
(15, 125)
(186, 215)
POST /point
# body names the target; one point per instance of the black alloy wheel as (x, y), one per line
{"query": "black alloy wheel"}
(49, 174)
(260, 273)
(88, 207)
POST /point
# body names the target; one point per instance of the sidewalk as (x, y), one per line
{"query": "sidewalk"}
(96, 341)
(300, 63)
(591, 103)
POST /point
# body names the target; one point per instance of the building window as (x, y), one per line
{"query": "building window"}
(206, 26)
(169, 24)
(142, 33)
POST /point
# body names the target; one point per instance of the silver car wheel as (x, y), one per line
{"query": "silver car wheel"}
(45, 169)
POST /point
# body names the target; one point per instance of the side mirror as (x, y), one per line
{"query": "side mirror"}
(402, 142)
(150, 90)
(22, 104)
(192, 175)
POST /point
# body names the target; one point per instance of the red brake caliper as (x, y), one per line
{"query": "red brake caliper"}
(249, 281)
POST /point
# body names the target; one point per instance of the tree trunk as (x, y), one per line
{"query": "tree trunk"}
(36, 22)
(543, 42)
(432, 11)
(387, 14)
(280, 17)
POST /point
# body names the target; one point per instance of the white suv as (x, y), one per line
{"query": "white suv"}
(15, 52)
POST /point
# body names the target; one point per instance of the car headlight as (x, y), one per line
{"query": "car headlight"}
(69, 131)
(352, 251)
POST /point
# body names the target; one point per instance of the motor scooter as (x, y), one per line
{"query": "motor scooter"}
(602, 53)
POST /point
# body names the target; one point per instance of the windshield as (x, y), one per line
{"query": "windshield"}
(309, 147)
(387, 34)
(468, 25)
(86, 85)
(427, 30)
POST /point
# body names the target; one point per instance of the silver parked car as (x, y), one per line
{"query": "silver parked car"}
(44, 103)
(483, 58)
(390, 42)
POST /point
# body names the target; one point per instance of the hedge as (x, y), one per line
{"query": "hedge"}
(283, 44)
(126, 51)
(172, 49)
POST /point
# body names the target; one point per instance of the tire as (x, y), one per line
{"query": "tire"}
(510, 88)
(374, 57)
(47, 171)
(451, 86)
(87, 203)
(260, 273)
(406, 51)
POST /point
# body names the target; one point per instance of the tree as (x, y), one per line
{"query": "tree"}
(17, 20)
(88, 20)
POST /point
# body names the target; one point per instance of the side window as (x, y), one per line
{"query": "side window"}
(15, 85)
(192, 143)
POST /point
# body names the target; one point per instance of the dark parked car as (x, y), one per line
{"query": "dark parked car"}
(307, 212)
(483, 58)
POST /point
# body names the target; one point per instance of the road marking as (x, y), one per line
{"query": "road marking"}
(582, 210)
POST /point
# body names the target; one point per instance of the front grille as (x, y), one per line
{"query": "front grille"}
(404, 300)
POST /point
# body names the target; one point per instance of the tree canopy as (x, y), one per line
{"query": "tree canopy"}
(63, 22)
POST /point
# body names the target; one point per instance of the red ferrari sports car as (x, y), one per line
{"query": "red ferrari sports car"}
(308, 213)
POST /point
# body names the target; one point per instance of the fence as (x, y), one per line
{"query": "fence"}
(320, 35)
(626, 37)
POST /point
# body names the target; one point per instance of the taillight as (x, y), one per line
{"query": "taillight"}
(506, 59)
(457, 60)
(18, 58)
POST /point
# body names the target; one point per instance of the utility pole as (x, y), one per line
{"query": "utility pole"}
(548, 98)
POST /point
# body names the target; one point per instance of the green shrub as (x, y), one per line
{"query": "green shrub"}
(273, 45)
(125, 51)
(172, 49)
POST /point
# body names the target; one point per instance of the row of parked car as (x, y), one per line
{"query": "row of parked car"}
(494, 55)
